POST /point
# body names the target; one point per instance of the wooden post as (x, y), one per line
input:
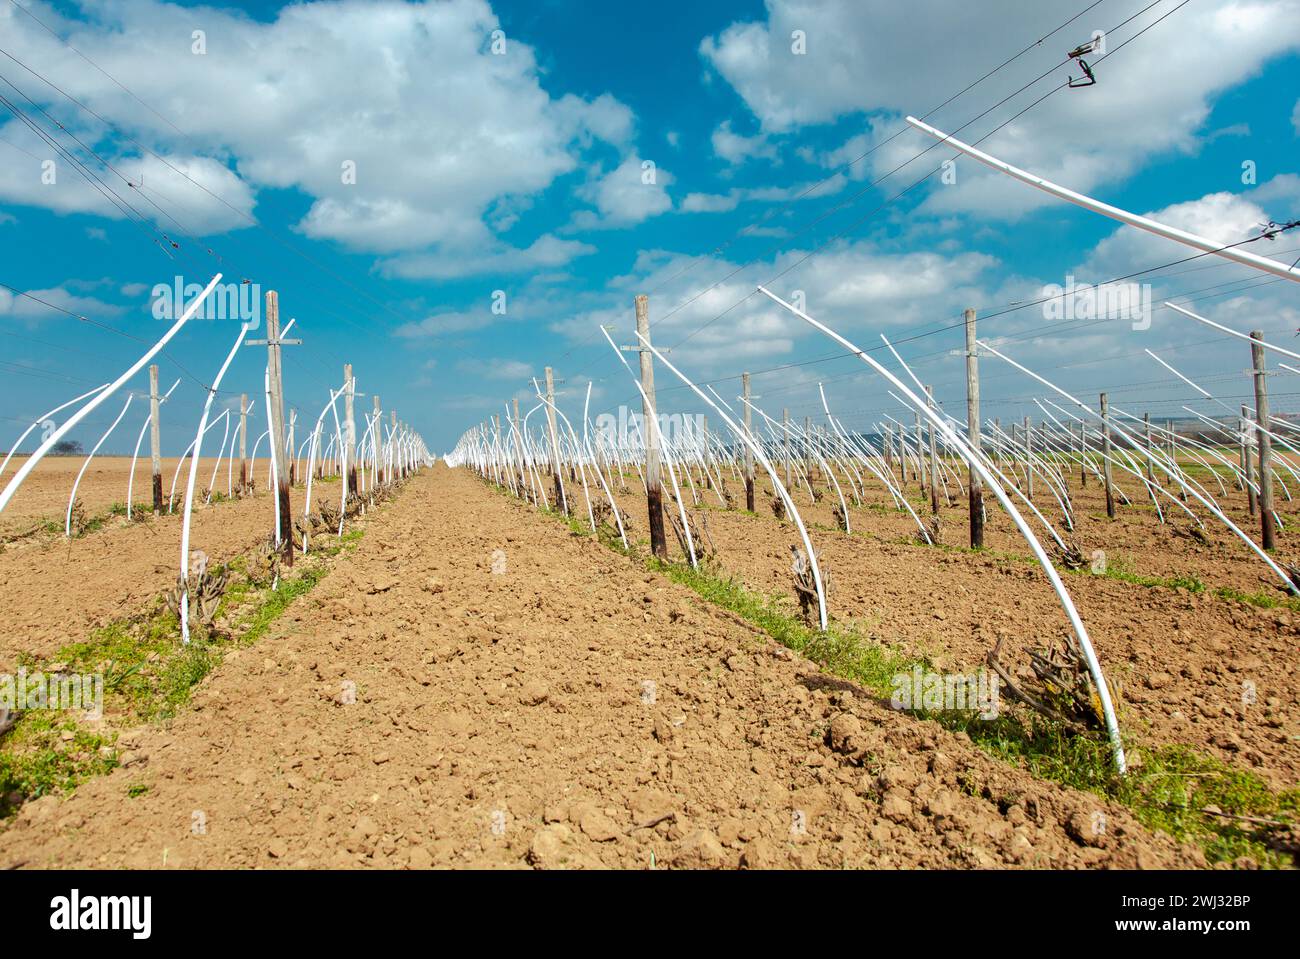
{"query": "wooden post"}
(243, 443)
(653, 480)
(349, 428)
(277, 422)
(1247, 461)
(155, 439)
(749, 454)
(1263, 442)
(1105, 452)
(554, 437)
(974, 485)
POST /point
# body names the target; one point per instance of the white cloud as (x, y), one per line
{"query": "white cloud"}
(546, 252)
(442, 324)
(496, 368)
(438, 128)
(710, 202)
(26, 307)
(848, 285)
(625, 196)
(725, 202)
(1151, 97)
(737, 149)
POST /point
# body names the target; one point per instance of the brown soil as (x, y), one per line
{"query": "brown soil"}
(504, 718)
(1193, 667)
(58, 589)
(44, 494)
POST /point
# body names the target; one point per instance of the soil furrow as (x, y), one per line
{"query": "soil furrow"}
(474, 686)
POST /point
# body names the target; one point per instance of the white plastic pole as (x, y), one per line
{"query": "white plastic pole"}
(1241, 336)
(991, 483)
(41, 419)
(1115, 213)
(189, 485)
(67, 528)
(791, 509)
(1204, 500)
(104, 394)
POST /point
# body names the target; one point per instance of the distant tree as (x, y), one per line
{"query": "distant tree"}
(66, 448)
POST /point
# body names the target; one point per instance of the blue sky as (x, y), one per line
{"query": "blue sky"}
(523, 172)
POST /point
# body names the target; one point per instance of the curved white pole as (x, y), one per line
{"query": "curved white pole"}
(104, 394)
(41, 419)
(1241, 336)
(1275, 267)
(225, 435)
(791, 509)
(977, 464)
(343, 471)
(189, 486)
(1204, 500)
(180, 465)
(67, 528)
(311, 460)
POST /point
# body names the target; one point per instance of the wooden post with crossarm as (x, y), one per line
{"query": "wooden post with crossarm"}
(274, 340)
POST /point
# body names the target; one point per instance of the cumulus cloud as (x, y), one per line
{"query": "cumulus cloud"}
(849, 285)
(402, 127)
(628, 194)
(710, 202)
(496, 368)
(1152, 97)
(725, 202)
(737, 149)
(31, 307)
(498, 258)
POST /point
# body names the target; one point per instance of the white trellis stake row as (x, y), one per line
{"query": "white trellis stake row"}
(189, 485)
(976, 463)
(791, 509)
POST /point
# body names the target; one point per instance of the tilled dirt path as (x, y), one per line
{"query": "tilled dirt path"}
(547, 705)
